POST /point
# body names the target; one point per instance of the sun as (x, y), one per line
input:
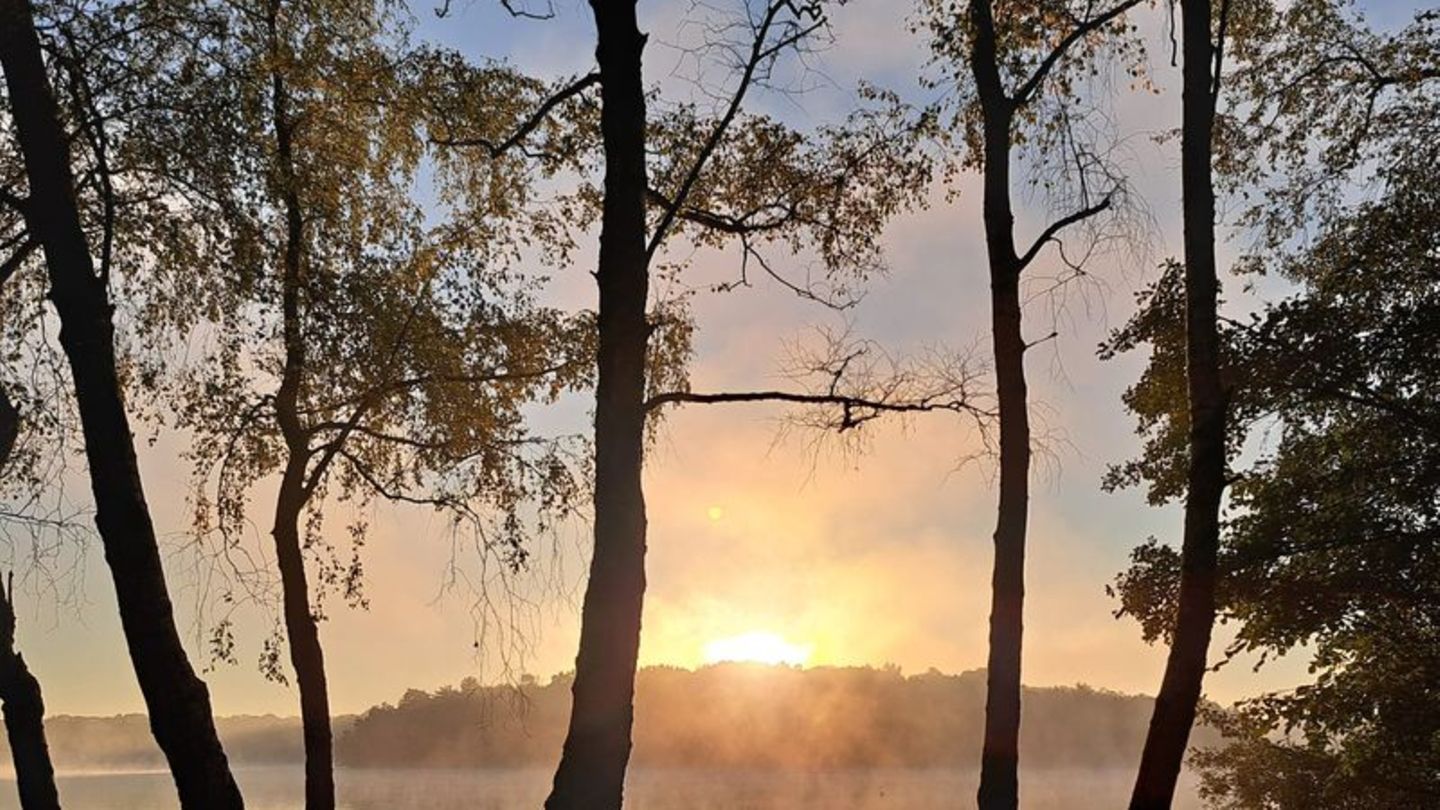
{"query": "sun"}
(758, 647)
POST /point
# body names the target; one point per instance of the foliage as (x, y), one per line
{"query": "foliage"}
(1053, 59)
(1332, 540)
(1319, 103)
(826, 193)
(419, 343)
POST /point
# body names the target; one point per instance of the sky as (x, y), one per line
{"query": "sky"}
(880, 556)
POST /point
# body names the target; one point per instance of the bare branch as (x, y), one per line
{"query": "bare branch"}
(844, 384)
(855, 410)
(526, 14)
(1060, 224)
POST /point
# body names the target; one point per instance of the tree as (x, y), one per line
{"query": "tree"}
(597, 746)
(177, 699)
(1207, 403)
(1331, 540)
(834, 196)
(347, 346)
(37, 419)
(24, 705)
(1016, 70)
(20, 690)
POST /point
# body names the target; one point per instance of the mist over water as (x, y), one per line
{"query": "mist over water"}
(281, 788)
(723, 737)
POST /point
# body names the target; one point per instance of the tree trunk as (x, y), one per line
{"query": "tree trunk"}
(1179, 696)
(303, 636)
(9, 427)
(999, 762)
(178, 702)
(301, 630)
(591, 775)
(1000, 758)
(20, 692)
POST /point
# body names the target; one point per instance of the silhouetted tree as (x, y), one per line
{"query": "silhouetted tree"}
(9, 428)
(591, 773)
(348, 346)
(177, 699)
(24, 706)
(19, 689)
(1179, 696)
(1332, 542)
(835, 196)
(1016, 68)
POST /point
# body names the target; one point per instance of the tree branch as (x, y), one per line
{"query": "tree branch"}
(1032, 85)
(758, 54)
(855, 410)
(522, 13)
(724, 223)
(530, 124)
(406, 383)
(17, 259)
(1060, 224)
(391, 494)
(19, 204)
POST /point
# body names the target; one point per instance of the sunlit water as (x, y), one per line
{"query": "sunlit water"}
(647, 789)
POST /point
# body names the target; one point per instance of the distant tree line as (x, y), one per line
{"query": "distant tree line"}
(123, 742)
(825, 717)
(753, 716)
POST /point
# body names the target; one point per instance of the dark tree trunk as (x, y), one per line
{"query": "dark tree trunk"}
(178, 702)
(9, 427)
(999, 762)
(306, 655)
(1179, 696)
(19, 691)
(591, 775)
(302, 632)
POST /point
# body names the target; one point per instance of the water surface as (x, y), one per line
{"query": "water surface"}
(280, 788)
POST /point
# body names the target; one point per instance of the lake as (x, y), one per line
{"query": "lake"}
(279, 788)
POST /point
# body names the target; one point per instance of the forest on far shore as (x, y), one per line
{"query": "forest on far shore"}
(825, 717)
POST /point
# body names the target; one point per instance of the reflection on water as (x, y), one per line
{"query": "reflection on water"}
(647, 789)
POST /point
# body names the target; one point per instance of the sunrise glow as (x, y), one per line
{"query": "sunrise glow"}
(759, 648)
